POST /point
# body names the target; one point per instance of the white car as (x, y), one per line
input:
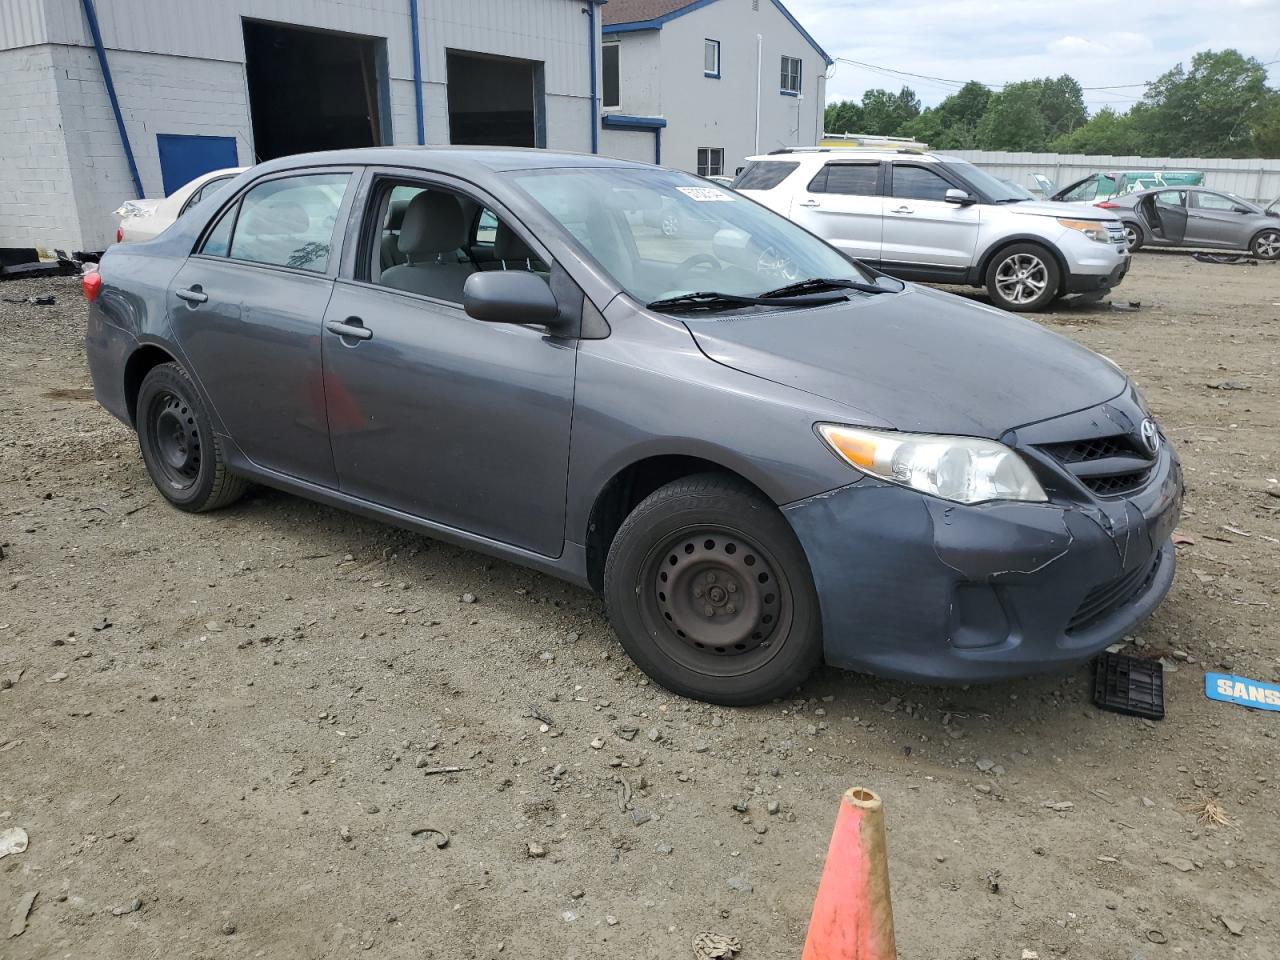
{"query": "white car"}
(144, 219)
(925, 216)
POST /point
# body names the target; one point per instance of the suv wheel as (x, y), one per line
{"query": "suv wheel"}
(1266, 245)
(1133, 236)
(1022, 277)
(709, 591)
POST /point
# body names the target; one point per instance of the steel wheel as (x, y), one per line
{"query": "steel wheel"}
(715, 600)
(175, 436)
(1022, 278)
(1267, 244)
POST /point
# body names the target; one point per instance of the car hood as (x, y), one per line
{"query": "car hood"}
(920, 360)
(1058, 208)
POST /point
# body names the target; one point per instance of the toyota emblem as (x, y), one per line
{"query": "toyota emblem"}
(1150, 436)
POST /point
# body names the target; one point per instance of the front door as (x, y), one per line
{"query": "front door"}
(433, 413)
(1216, 220)
(920, 228)
(1167, 214)
(246, 312)
(842, 204)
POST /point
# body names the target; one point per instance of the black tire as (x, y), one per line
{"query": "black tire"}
(710, 593)
(180, 450)
(1023, 277)
(1134, 236)
(1266, 244)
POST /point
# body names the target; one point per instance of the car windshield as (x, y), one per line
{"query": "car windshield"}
(995, 188)
(662, 233)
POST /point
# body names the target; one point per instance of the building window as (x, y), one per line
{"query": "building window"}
(791, 76)
(711, 58)
(710, 161)
(612, 77)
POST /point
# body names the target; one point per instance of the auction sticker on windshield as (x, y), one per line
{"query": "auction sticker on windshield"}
(704, 194)
(1242, 690)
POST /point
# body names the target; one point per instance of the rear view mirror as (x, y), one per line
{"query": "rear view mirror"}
(509, 296)
(958, 196)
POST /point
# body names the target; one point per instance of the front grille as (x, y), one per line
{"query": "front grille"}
(1104, 600)
(1108, 466)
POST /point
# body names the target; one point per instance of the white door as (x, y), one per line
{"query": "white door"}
(920, 227)
(842, 204)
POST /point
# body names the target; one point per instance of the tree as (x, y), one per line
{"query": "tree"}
(1266, 127)
(1061, 105)
(1106, 132)
(844, 116)
(887, 114)
(1013, 119)
(953, 124)
(1207, 110)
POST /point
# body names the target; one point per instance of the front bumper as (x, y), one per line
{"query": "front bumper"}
(918, 588)
(1091, 267)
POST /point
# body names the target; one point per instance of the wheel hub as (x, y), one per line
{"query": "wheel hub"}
(176, 439)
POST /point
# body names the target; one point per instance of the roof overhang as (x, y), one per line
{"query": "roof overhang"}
(623, 121)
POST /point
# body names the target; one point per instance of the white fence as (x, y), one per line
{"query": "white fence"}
(1257, 180)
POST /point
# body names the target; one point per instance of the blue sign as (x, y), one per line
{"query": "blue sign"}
(1242, 690)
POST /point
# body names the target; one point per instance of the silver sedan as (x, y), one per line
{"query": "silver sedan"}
(1196, 217)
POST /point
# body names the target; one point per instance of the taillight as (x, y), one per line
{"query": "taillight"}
(119, 234)
(1107, 205)
(91, 284)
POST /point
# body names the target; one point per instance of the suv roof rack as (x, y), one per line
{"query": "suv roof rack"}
(869, 148)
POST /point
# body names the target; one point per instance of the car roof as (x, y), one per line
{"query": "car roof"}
(824, 154)
(450, 159)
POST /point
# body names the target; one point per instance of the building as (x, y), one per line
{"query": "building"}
(701, 84)
(108, 100)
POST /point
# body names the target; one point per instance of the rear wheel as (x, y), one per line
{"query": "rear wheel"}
(178, 444)
(1266, 245)
(1133, 236)
(1023, 277)
(710, 593)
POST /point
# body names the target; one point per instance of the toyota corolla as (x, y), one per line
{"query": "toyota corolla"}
(759, 452)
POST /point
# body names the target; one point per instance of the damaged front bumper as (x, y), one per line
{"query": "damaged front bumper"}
(918, 588)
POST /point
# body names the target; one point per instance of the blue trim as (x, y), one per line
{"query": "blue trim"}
(92, 16)
(622, 121)
(417, 71)
(789, 93)
(657, 145)
(595, 102)
(657, 22)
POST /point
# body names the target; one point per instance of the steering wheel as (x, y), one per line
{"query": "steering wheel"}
(684, 272)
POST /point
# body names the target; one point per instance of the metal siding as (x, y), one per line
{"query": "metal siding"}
(22, 24)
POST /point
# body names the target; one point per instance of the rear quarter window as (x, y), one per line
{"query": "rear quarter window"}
(764, 174)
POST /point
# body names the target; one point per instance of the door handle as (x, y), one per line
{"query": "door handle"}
(192, 294)
(809, 203)
(352, 327)
(902, 210)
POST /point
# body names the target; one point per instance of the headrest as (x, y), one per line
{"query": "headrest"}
(395, 215)
(433, 223)
(507, 245)
(276, 218)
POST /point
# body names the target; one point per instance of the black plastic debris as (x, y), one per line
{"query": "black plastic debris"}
(1235, 258)
(1129, 685)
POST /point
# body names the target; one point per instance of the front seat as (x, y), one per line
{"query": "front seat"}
(391, 255)
(433, 230)
(510, 251)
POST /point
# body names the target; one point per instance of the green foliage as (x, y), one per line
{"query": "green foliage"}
(1220, 106)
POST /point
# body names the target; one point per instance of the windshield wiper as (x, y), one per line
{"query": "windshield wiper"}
(824, 283)
(713, 300)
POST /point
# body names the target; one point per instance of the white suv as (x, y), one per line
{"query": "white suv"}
(921, 216)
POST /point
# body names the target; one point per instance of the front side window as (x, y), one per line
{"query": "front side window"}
(710, 161)
(660, 233)
(1217, 201)
(711, 58)
(1172, 198)
(612, 75)
(917, 183)
(851, 179)
(791, 75)
(287, 222)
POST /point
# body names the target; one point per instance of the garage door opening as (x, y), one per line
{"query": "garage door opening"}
(496, 101)
(313, 89)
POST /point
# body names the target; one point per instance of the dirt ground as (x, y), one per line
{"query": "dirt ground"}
(222, 733)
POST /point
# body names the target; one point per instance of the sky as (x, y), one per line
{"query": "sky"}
(1099, 42)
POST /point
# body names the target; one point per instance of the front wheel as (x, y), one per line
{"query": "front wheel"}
(710, 593)
(1266, 245)
(1023, 277)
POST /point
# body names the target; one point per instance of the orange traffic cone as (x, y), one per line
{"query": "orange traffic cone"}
(852, 917)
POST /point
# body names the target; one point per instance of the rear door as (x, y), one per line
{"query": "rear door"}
(921, 229)
(842, 203)
(246, 310)
(1167, 213)
(1215, 220)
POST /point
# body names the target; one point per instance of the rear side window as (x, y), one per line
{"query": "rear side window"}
(851, 179)
(764, 174)
(285, 223)
(917, 183)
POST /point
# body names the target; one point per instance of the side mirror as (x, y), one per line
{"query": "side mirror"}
(509, 296)
(958, 197)
(1239, 209)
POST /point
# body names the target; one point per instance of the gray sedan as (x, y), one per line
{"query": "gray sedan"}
(1196, 217)
(761, 453)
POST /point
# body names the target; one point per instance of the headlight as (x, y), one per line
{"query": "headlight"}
(963, 469)
(1093, 229)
